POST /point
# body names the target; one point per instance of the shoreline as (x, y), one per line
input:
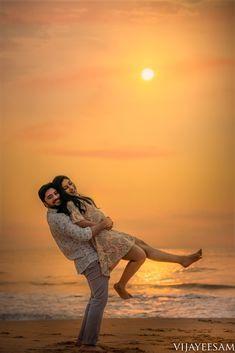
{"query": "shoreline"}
(146, 335)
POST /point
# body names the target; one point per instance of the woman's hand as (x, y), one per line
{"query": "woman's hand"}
(105, 223)
(108, 223)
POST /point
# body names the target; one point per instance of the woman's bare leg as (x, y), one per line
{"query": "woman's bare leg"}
(158, 255)
(136, 257)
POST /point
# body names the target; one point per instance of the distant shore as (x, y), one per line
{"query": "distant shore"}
(150, 335)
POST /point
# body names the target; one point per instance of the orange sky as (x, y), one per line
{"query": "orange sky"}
(156, 156)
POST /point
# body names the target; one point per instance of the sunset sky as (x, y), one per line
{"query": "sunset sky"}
(157, 156)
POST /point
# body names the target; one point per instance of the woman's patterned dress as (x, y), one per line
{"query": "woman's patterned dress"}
(111, 245)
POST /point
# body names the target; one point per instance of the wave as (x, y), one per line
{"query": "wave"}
(26, 316)
(195, 285)
(53, 283)
(169, 298)
(205, 286)
(18, 306)
(5, 283)
(138, 297)
(197, 269)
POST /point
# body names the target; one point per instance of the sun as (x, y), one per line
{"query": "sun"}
(147, 74)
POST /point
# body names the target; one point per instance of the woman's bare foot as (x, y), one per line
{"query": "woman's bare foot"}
(186, 261)
(121, 291)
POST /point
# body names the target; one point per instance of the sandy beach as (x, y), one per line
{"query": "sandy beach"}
(117, 335)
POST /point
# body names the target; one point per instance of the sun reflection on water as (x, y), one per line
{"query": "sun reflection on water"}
(152, 273)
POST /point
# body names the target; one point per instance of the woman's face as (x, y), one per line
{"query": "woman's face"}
(69, 187)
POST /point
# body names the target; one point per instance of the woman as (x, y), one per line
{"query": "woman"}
(112, 245)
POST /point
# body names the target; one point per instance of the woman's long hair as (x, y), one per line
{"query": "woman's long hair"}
(78, 200)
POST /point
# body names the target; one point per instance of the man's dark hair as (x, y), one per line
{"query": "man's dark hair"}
(43, 189)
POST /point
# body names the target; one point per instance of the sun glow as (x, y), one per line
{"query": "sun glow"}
(147, 74)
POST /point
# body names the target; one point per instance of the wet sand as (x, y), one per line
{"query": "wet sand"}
(150, 335)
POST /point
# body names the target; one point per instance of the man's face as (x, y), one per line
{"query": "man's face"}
(52, 198)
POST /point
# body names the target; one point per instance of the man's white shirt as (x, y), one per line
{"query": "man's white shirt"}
(72, 240)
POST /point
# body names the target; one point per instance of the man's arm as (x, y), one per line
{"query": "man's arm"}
(96, 226)
(60, 224)
(84, 223)
(106, 223)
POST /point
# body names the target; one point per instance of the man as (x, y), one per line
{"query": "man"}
(75, 244)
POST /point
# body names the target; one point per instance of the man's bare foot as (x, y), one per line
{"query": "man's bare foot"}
(78, 343)
(186, 261)
(122, 292)
(89, 348)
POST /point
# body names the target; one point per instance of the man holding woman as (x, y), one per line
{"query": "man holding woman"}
(74, 242)
(84, 234)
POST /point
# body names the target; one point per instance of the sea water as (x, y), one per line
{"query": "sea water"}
(43, 284)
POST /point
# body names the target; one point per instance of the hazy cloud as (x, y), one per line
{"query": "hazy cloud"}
(73, 77)
(41, 13)
(41, 132)
(201, 64)
(203, 217)
(114, 154)
(87, 74)
(70, 12)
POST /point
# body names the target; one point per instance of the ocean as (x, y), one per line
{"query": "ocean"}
(43, 284)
